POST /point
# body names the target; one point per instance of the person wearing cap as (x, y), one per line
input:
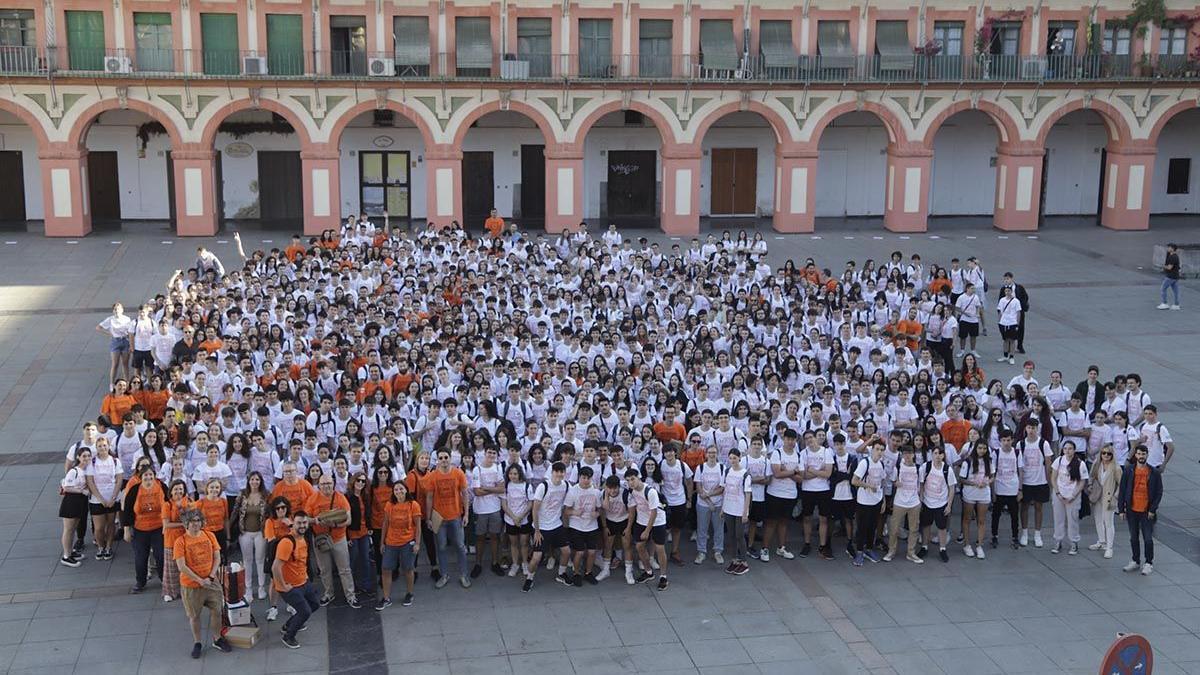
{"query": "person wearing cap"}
(198, 556)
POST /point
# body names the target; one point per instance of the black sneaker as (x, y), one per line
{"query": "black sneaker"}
(476, 571)
(407, 601)
(70, 561)
(805, 550)
(959, 538)
(222, 644)
(290, 642)
(643, 576)
(527, 586)
(354, 604)
(827, 552)
(108, 554)
(995, 542)
(943, 555)
(564, 578)
(326, 600)
(663, 583)
(590, 578)
(1016, 545)
(923, 551)
(577, 580)
(196, 648)
(850, 549)
(497, 569)
(137, 589)
(383, 604)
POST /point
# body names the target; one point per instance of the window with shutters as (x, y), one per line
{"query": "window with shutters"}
(654, 48)
(473, 46)
(410, 35)
(18, 40)
(85, 40)
(534, 44)
(285, 44)
(595, 48)
(219, 40)
(153, 39)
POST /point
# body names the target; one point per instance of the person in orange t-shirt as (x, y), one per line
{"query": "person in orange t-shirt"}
(320, 506)
(494, 224)
(172, 530)
(290, 578)
(215, 508)
(401, 523)
(447, 494)
(668, 429)
(955, 430)
(143, 519)
(198, 556)
(116, 404)
(293, 487)
(295, 249)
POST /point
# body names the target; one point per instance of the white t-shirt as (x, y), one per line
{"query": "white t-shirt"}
(1010, 311)
(737, 486)
(815, 460)
(1063, 480)
(907, 483)
(673, 478)
(757, 467)
(646, 501)
(842, 492)
(1157, 437)
(709, 478)
(938, 481)
(974, 493)
(1008, 480)
(517, 497)
(203, 473)
(783, 487)
(585, 503)
(871, 474)
(1033, 465)
(487, 477)
(550, 509)
(108, 478)
(968, 305)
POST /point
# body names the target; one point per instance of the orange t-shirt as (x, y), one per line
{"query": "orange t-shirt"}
(114, 407)
(197, 552)
(318, 504)
(297, 494)
(367, 390)
(494, 226)
(400, 381)
(401, 528)
(155, 402)
(363, 526)
(293, 553)
(148, 507)
(294, 251)
(173, 511)
(447, 489)
(274, 528)
(955, 433)
(693, 458)
(380, 496)
(669, 431)
(1140, 500)
(215, 512)
(416, 487)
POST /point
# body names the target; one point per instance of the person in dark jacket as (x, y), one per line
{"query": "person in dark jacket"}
(1021, 294)
(142, 515)
(1137, 503)
(1091, 391)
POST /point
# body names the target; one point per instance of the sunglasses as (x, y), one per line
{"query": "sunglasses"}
(1106, 454)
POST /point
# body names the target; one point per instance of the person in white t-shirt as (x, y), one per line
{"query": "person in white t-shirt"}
(816, 465)
(782, 490)
(649, 527)
(868, 479)
(967, 308)
(548, 531)
(487, 481)
(1009, 310)
(1069, 476)
(1035, 488)
(977, 471)
(582, 511)
(937, 486)
(709, 482)
(119, 328)
(906, 504)
(614, 514)
(1006, 484)
(1154, 435)
(105, 479)
(759, 468)
(738, 495)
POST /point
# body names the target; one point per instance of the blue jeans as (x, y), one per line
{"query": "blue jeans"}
(706, 517)
(360, 564)
(1172, 284)
(144, 542)
(452, 530)
(304, 600)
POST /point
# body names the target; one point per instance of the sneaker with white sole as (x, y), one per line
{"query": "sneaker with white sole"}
(513, 569)
(1074, 550)
(1024, 540)
(1037, 538)
(1108, 553)
(1131, 566)
(914, 559)
(1002, 359)
(764, 555)
(782, 552)
(718, 558)
(1147, 569)
(603, 573)
(1163, 305)
(272, 613)
(979, 553)
(629, 576)
(1056, 548)
(1096, 546)
(969, 551)
(1175, 308)
(1011, 360)
(700, 557)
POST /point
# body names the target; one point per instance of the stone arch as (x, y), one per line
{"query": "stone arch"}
(1166, 117)
(656, 116)
(891, 121)
(31, 120)
(1005, 124)
(543, 124)
(1114, 121)
(343, 120)
(77, 137)
(778, 124)
(209, 135)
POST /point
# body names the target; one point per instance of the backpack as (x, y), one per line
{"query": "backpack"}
(928, 466)
(269, 557)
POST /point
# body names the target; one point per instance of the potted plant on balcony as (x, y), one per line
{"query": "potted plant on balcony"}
(925, 54)
(983, 47)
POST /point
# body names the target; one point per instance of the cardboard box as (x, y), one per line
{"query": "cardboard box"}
(239, 614)
(243, 637)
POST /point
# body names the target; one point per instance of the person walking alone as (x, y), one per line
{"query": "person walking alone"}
(1170, 280)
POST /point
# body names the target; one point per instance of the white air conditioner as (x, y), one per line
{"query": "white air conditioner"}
(254, 65)
(118, 64)
(379, 67)
(514, 70)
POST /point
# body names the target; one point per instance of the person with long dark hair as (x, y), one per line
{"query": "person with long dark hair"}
(1069, 476)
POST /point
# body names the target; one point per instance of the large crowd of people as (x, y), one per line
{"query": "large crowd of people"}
(374, 404)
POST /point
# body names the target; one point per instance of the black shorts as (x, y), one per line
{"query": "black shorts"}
(524, 528)
(101, 509)
(584, 541)
(73, 505)
(815, 500)
(1009, 332)
(556, 538)
(677, 516)
(616, 528)
(1035, 494)
(658, 533)
(968, 329)
(142, 360)
(841, 510)
(936, 517)
(779, 508)
(758, 511)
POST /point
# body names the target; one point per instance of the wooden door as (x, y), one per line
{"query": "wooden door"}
(12, 177)
(104, 186)
(533, 184)
(171, 212)
(280, 199)
(478, 188)
(734, 181)
(721, 194)
(631, 183)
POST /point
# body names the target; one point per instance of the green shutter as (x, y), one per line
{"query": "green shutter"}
(285, 44)
(85, 40)
(219, 41)
(153, 41)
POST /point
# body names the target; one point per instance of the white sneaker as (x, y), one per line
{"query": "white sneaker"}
(1163, 305)
(764, 555)
(888, 557)
(1037, 538)
(1147, 569)
(272, 614)
(550, 563)
(782, 552)
(692, 537)
(654, 563)
(629, 576)
(513, 569)
(718, 558)
(1057, 547)
(1011, 360)
(291, 610)
(1096, 546)
(979, 552)
(1002, 359)
(958, 354)
(699, 558)
(1175, 308)
(603, 573)
(1131, 566)
(1108, 553)
(1074, 550)
(262, 593)
(167, 598)
(1024, 540)
(968, 551)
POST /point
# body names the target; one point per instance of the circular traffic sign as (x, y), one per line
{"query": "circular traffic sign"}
(1129, 655)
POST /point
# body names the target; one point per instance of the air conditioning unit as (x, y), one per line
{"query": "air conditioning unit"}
(379, 67)
(254, 65)
(118, 64)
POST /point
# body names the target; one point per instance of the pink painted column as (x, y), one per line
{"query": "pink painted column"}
(195, 193)
(564, 189)
(65, 190)
(906, 204)
(680, 190)
(443, 185)
(1127, 178)
(322, 195)
(795, 189)
(1018, 186)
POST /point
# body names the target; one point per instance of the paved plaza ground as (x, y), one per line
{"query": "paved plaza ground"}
(1092, 293)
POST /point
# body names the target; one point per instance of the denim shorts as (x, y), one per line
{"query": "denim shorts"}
(399, 557)
(118, 345)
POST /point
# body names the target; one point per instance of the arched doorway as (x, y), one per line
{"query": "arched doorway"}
(258, 171)
(1175, 188)
(21, 197)
(963, 176)
(380, 153)
(128, 167)
(1074, 165)
(622, 170)
(852, 166)
(738, 165)
(504, 167)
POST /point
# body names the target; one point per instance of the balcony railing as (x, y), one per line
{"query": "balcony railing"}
(356, 65)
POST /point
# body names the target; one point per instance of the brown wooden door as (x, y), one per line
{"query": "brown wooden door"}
(478, 186)
(280, 200)
(12, 177)
(734, 181)
(104, 186)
